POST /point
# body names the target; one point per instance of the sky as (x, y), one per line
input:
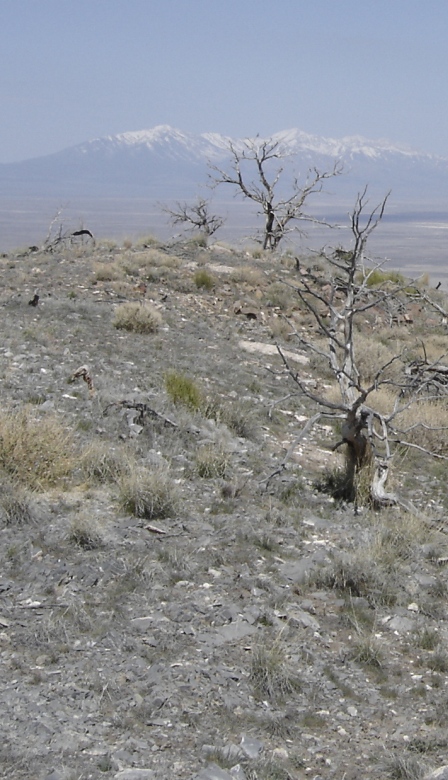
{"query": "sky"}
(74, 70)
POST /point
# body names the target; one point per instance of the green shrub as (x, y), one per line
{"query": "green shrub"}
(202, 278)
(377, 277)
(183, 391)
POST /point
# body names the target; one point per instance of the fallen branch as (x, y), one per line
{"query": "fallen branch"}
(143, 410)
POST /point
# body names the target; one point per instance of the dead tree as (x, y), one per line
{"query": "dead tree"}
(370, 434)
(256, 171)
(197, 216)
(60, 238)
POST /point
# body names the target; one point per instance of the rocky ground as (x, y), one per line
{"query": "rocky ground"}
(251, 627)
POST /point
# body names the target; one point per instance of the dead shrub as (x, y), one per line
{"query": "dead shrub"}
(107, 272)
(137, 317)
(37, 451)
(247, 274)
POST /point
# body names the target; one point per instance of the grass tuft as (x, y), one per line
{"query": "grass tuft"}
(102, 462)
(211, 462)
(16, 505)
(270, 672)
(148, 494)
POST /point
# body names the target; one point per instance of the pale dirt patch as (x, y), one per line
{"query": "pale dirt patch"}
(271, 349)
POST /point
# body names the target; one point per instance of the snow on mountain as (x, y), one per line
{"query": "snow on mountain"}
(165, 162)
(175, 143)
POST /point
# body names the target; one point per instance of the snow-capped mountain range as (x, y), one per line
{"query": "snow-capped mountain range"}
(213, 146)
(166, 163)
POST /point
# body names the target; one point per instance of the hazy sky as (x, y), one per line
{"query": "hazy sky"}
(73, 70)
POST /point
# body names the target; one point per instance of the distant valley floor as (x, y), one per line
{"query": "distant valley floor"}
(412, 241)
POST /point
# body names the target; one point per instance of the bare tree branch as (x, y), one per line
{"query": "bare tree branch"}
(279, 212)
(197, 215)
(337, 306)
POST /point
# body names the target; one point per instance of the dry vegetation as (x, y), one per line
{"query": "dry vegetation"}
(180, 575)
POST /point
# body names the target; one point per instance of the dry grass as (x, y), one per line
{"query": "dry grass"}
(17, 506)
(137, 317)
(280, 329)
(396, 536)
(100, 461)
(154, 258)
(107, 272)
(86, 532)
(149, 494)
(270, 672)
(37, 451)
(281, 296)
(211, 462)
(247, 274)
(372, 354)
(403, 766)
(426, 425)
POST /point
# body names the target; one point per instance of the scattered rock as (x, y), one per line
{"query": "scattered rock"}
(438, 774)
(250, 746)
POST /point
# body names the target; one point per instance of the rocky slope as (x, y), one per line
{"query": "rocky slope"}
(251, 627)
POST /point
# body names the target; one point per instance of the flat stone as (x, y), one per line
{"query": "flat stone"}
(231, 632)
(297, 571)
(134, 774)
(252, 747)
(298, 617)
(271, 349)
(401, 624)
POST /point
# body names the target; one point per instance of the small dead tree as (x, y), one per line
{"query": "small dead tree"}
(370, 434)
(197, 215)
(261, 159)
(59, 238)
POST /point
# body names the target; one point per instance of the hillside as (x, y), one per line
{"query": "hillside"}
(171, 607)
